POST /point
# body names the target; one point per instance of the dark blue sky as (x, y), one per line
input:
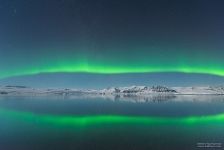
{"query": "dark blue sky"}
(111, 36)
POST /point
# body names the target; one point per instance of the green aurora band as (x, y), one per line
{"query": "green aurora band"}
(110, 119)
(112, 69)
(119, 61)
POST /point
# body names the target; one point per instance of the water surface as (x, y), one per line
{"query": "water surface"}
(31, 123)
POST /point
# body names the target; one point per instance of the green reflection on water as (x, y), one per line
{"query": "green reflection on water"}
(108, 119)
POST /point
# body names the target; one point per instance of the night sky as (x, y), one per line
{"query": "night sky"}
(113, 38)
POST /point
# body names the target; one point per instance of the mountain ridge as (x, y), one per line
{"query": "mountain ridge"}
(130, 90)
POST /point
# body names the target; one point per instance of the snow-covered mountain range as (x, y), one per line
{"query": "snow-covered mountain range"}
(132, 90)
(144, 90)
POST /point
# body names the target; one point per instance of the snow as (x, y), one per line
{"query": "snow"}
(122, 91)
(200, 90)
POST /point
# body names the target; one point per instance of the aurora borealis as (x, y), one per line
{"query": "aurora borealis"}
(111, 37)
(111, 74)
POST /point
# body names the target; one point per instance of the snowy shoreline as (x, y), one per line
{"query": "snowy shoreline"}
(134, 94)
(132, 90)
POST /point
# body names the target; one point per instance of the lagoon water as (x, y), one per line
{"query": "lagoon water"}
(59, 123)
